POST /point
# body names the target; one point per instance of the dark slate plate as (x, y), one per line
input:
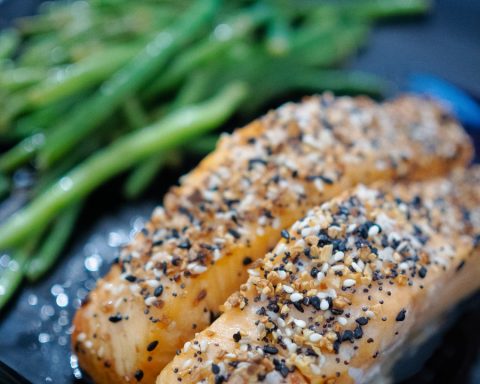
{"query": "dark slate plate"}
(34, 329)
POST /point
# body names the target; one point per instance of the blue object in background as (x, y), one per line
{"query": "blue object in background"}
(461, 104)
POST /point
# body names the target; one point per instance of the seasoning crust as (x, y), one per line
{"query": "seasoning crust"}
(195, 251)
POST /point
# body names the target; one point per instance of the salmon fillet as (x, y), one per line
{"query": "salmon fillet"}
(195, 251)
(346, 289)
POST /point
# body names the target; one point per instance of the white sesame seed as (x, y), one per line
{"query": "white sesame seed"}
(342, 320)
(282, 274)
(150, 300)
(374, 230)
(300, 323)
(351, 228)
(403, 266)
(356, 267)
(338, 256)
(347, 283)
(203, 345)
(314, 337)
(153, 283)
(324, 305)
(197, 269)
(288, 289)
(294, 297)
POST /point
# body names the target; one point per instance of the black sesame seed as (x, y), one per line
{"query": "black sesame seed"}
(422, 272)
(401, 315)
(298, 306)
(315, 301)
(281, 367)
(215, 369)
(219, 379)
(234, 233)
(460, 266)
(314, 272)
(272, 306)
(130, 278)
(347, 336)
(185, 244)
(138, 374)
(336, 346)
(362, 320)
(476, 241)
(270, 349)
(152, 346)
(336, 311)
(285, 234)
(254, 161)
(115, 318)
(261, 311)
(358, 332)
(158, 291)
(247, 260)
(237, 336)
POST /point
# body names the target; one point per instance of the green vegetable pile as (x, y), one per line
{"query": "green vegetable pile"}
(93, 89)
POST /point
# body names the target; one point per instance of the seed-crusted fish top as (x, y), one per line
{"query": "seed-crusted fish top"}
(313, 299)
(228, 212)
(305, 149)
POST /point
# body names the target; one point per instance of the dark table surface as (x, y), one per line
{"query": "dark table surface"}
(34, 330)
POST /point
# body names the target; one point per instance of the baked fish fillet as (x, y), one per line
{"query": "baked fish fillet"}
(345, 289)
(229, 211)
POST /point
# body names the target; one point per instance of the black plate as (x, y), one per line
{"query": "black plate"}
(34, 329)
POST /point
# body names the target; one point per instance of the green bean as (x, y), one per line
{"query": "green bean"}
(21, 153)
(184, 63)
(175, 129)
(202, 145)
(11, 276)
(338, 43)
(278, 33)
(192, 92)
(124, 83)
(43, 118)
(9, 41)
(16, 104)
(338, 81)
(4, 186)
(21, 77)
(142, 176)
(80, 76)
(381, 9)
(51, 247)
(135, 114)
(195, 88)
(207, 50)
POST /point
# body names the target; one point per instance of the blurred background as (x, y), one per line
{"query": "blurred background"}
(83, 78)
